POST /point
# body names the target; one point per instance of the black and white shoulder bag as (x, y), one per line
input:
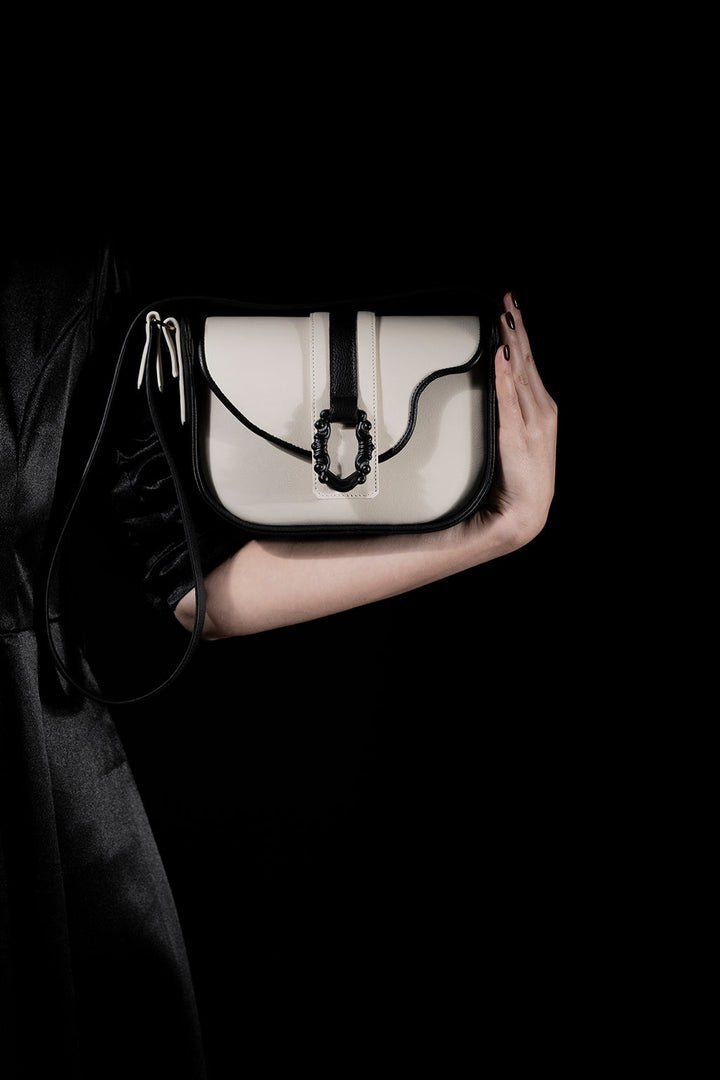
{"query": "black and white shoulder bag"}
(313, 421)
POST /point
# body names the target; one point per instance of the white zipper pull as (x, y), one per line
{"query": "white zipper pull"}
(151, 318)
(171, 333)
(171, 336)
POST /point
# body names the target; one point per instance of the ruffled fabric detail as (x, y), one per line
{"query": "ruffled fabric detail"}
(145, 506)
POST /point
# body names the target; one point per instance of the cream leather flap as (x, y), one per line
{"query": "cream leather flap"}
(271, 367)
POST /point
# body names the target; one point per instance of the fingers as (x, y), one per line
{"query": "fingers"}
(517, 353)
(510, 414)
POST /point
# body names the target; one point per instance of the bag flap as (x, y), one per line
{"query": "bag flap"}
(273, 371)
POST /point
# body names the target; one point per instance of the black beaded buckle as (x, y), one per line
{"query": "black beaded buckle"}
(322, 458)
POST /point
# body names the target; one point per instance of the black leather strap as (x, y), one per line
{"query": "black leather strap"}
(343, 367)
(188, 528)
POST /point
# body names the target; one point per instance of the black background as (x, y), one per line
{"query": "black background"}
(384, 825)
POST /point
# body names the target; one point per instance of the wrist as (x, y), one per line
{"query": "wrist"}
(519, 529)
(488, 535)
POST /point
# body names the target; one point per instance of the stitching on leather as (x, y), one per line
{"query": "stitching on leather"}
(373, 356)
(313, 391)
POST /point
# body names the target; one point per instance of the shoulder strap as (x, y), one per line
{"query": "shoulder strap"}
(153, 328)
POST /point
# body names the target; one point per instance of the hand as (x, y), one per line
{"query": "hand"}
(268, 583)
(527, 434)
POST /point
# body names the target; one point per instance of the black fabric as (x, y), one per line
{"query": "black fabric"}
(94, 979)
(143, 506)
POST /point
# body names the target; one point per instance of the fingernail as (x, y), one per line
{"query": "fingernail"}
(506, 352)
(515, 300)
(509, 320)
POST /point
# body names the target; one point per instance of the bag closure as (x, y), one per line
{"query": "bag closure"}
(344, 404)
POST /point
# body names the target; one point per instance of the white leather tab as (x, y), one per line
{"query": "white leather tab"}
(343, 445)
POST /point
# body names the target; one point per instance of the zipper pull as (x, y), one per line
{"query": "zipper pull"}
(151, 319)
(171, 333)
(171, 336)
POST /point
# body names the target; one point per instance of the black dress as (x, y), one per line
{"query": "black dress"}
(94, 978)
(110, 826)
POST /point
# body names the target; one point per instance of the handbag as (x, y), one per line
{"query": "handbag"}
(338, 419)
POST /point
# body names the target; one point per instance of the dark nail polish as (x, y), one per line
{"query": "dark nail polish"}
(515, 300)
(509, 320)
(506, 352)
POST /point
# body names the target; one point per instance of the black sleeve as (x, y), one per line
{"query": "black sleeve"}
(146, 512)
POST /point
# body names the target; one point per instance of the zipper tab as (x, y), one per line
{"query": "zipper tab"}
(150, 320)
(171, 333)
(171, 336)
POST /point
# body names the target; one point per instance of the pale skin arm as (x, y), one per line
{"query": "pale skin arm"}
(272, 583)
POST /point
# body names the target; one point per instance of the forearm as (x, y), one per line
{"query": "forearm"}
(274, 583)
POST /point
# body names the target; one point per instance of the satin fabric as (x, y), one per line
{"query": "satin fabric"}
(94, 976)
(145, 516)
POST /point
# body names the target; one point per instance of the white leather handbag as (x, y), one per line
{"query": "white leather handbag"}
(331, 422)
(322, 420)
